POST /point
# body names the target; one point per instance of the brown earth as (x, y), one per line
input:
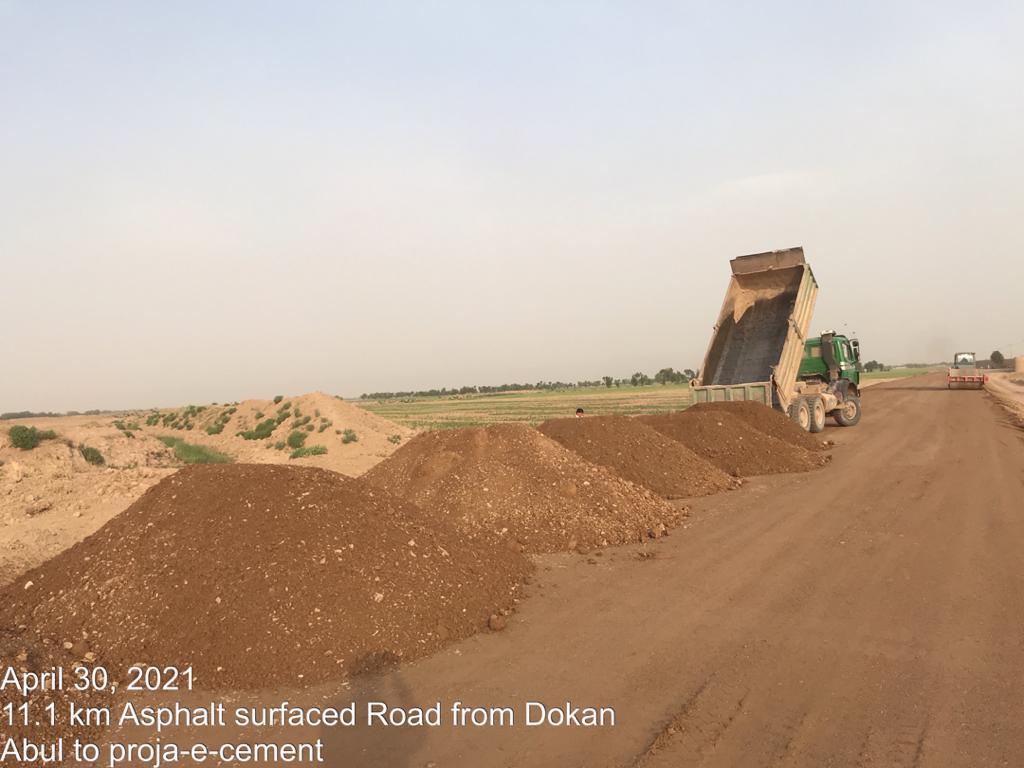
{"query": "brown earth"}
(50, 497)
(257, 575)
(867, 615)
(354, 458)
(769, 421)
(24, 652)
(511, 480)
(731, 444)
(640, 454)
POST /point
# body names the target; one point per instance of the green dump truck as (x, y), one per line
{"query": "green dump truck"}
(760, 351)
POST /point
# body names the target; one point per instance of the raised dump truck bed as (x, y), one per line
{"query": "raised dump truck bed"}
(758, 341)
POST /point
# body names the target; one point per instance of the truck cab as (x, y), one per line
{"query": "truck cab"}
(831, 357)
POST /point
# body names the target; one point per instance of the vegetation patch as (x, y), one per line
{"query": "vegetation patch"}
(296, 439)
(92, 455)
(312, 450)
(188, 453)
(262, 431)
(349, 436)
(27, 438)
(278, 399)
(396, 439)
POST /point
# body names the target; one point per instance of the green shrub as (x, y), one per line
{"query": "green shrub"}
(215, 429)
(280, 445)
(152, 419)
(300, 422)
(187, 453)
(278, 399)
(297, 412)
(282, 416)
(91, 455)
(396, 439)
(28, 438)
(259, 414)
(296, 439)
(349, 436)
(313, 450)
(262, 431)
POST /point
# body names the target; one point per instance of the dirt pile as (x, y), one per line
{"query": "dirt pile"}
(511, 480)
(257, 431)
(731, 444)
(768, 420)
(25, 653)
(639, 453)
(257, 575)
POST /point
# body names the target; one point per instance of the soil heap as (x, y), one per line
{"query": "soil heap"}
(639, 453)
(24, 652)
(512, 480)
(355, 439)
(261, 574)
(731, 444)
(768, 420)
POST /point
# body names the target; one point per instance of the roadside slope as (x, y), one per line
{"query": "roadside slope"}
(867, 614)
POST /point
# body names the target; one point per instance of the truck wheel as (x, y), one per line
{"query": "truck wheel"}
(848, 412)
(816, 407)
(801, 414)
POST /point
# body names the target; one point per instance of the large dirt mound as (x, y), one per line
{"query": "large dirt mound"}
(731, 444)
(352, 439)
(512, 480)
(639, 453)
(258, 575)
(768, 420)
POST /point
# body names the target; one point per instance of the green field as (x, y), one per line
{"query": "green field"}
(898, 373)
(532, 407)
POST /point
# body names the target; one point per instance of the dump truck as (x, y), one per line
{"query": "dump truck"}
(964, 372)
(760, 350)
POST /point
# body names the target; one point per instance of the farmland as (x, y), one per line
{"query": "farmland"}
(533, 407)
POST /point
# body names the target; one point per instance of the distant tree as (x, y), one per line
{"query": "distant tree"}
(689, 373)
(871, 366)
(664, 376)
(608, 381)
(998, 361)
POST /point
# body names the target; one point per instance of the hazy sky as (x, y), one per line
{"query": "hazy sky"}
(213, 201)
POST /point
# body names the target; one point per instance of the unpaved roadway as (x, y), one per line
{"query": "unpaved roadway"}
(870, 614)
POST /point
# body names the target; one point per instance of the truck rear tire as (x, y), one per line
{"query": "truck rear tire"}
(801, 414)
(848, 412)
(816, 408)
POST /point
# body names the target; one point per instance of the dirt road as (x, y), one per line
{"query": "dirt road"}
(870, 614)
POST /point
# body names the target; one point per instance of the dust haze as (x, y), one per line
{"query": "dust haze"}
(207, 206)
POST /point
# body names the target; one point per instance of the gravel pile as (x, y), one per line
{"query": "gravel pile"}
(639, 453)
(513, 481)
(263, 574)
(732, 445)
